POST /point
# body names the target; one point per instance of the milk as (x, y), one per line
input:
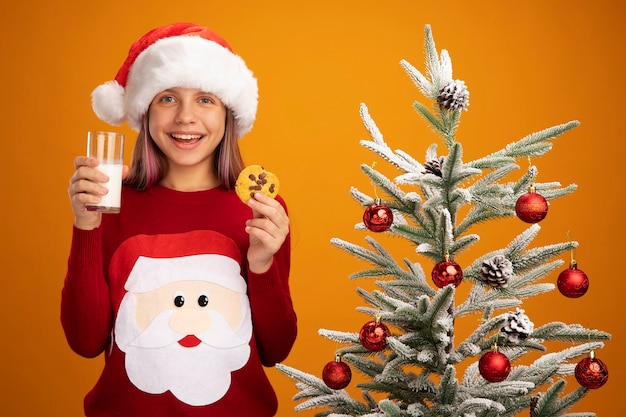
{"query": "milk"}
(111, 202)
(108, 149)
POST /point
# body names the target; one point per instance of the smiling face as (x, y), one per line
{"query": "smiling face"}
(187, 125)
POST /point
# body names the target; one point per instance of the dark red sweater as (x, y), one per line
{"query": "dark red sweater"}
(89, 304)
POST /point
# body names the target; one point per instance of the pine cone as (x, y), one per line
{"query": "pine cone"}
(497, 271)
(518, 326)
(534, 400)
(434, 166)
(454, 96)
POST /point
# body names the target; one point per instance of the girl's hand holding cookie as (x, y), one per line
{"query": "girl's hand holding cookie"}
(269, 225)
(267, 229)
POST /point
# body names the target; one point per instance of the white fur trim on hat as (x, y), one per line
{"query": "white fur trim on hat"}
(180, 61)
(151, 273)
(108, 102)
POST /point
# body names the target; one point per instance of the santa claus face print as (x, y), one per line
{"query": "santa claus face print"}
(188, 333)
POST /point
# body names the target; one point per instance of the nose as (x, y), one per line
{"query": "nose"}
(190, 321)
(185, 114)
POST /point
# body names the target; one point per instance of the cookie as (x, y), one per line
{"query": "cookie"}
(256, 179)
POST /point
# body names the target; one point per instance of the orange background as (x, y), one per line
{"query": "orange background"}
(528, 65)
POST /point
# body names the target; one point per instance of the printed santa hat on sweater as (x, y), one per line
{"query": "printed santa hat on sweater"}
(143, 263)
(178, 55)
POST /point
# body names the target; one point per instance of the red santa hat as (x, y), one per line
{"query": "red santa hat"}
(178, 55)
(145, 262)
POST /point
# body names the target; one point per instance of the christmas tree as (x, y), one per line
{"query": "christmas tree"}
(407, 352)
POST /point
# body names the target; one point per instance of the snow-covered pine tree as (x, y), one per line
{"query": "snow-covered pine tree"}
(411, 371)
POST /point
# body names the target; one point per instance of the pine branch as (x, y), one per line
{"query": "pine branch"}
(524, 183)
(339, 337)
(434, 122)
(424, 232)
(539, 255)
(445, 237)
(319, 394)
(551, 193)
(433, 65)
(390, 409)
(420, 81)
(551, 404)
(369, 367)
(439, 322)
(569, 400)
(495, 391)
(453, 172)
(521, 241)
(469, 347)
(519, 287)
(530, 145)
(451, 120)
(379, 146)
(530, 276)
(484, 211)
(463, 243)
(546, 404)
(387, 265)
(473, 406)
(383, 259)
(568, 333)
(383, 182)
(448, 386)
(551, 359)
(481, 301)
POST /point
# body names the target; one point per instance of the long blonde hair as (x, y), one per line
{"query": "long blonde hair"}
(148, 163)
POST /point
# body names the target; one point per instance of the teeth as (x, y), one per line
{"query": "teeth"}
(186, 137)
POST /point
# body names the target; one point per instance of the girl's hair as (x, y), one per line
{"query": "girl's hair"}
(148, 163)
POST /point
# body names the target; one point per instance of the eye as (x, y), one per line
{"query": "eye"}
(179, 299)
(166, 99)
(203, 300)
(207, 100)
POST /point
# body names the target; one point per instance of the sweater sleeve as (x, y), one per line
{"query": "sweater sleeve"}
(273, 315)
(86, 313)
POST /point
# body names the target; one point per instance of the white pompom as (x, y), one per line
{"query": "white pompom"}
(108, 102)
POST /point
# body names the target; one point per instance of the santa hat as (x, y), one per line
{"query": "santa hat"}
(178, 55)
(151, 273)
(146, 262)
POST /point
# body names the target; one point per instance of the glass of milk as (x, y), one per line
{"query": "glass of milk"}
(108, 148)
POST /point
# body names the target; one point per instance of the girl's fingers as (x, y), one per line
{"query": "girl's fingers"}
(264, 206)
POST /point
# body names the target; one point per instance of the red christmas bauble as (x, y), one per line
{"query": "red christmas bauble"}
(378, 217)
(591, 373)
(494, 366)
(572, 282)
(336, 374)
(373, 336)
(446, 273)
(531, 207)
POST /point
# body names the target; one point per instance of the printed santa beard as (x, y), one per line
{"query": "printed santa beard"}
(200, 375)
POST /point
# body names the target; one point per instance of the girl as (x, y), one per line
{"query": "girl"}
(185, 291)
